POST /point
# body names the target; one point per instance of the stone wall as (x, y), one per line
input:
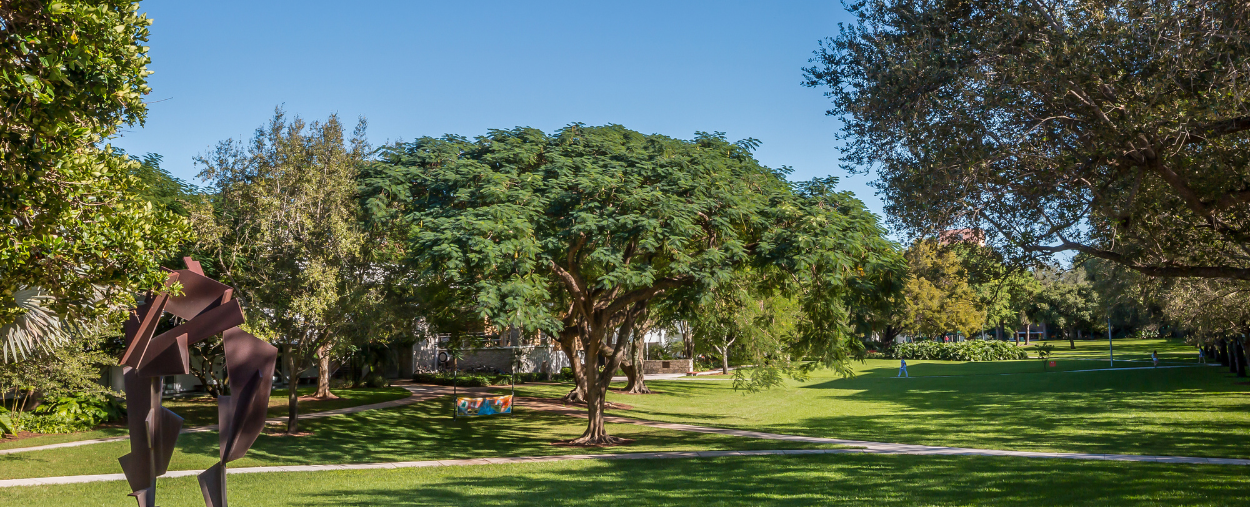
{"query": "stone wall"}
(651, 367)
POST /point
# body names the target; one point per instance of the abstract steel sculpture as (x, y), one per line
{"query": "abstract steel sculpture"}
(209, 308)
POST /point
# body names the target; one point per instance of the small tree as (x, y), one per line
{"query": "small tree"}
(1043, 352)
(283, 228)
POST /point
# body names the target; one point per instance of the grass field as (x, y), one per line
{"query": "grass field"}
(421, 431)
(202, 411)
(772, 480)
(1189, 410)
(1198, 411)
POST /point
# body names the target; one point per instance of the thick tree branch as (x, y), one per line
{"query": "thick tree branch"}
(645, 293)
(1165, 271)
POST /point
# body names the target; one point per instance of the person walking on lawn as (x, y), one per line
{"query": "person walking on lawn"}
(902, 369)
(1154, 356)
(1202, 355)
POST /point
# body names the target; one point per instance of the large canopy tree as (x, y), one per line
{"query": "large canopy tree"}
(578, 232)
(75, 238)
(1116, 128)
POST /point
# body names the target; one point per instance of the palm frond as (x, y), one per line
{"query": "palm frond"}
(38, 327)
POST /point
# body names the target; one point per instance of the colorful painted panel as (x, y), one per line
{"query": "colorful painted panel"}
(489, 405)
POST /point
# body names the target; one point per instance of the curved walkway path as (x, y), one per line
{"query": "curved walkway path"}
(421, 393)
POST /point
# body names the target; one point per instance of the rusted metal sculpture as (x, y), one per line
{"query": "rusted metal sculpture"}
(208, 307)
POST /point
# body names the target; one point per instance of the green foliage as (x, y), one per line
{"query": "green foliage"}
(524, 223)
(1067, 301)
(87, 410)
(938, 298)
(69, 372)
(969, 350)
(8, 424)
(1004, 116)
(74, 226)
(283, 229)
(1043, 352)
(377, 380)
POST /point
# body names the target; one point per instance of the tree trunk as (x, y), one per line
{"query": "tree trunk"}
(1028, 333)
(578, 393)
(637, 384)
(323, 372)
(292, 389)
(1071, 341)
(596, 397)
(597, 381)
(1241, 358)
(724, 355)
(687, 338)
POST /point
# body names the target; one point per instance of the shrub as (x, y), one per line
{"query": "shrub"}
(377, 380)
(972, 350)
(87, 410)
(8, 426)
(50, 423)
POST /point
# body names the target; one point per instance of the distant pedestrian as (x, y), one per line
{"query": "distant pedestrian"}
(902, 369)
(1154, 356)
(1202, 355)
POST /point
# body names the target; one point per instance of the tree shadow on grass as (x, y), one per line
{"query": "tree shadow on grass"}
(426, 431)
(807, 480)
(1165, 412)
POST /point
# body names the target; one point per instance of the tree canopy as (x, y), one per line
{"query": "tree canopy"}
(73, 228)
(1115, 128)
(283, 228)
(582, 229)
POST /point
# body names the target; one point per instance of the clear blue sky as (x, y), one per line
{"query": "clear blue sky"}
(430, 68)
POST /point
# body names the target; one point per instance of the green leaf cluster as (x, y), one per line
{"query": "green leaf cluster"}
(74, 225)
(970, 350)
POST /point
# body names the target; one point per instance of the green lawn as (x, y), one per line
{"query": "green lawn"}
(771, 480)
(421, 431)
(1198, 411)
(202, 411)
(1189, 411)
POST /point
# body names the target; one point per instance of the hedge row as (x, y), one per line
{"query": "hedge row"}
(972, 350)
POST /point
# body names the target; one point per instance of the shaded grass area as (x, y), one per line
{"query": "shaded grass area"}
(1199, 411)
(421, 431)
(202, 411)
(770, 480)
